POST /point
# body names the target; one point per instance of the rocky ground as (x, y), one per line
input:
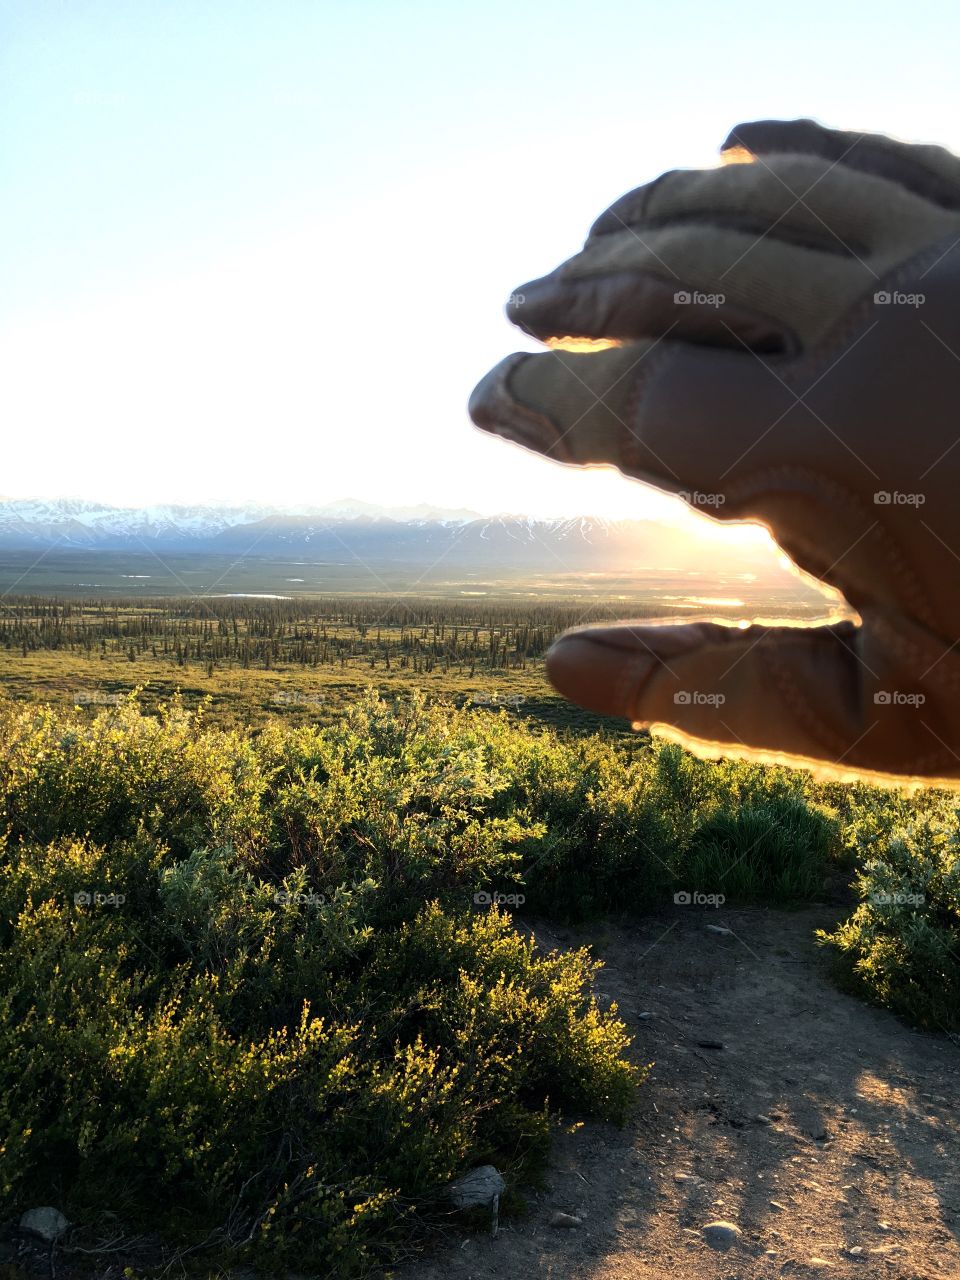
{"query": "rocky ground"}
(823, 1137)
(786, 1129)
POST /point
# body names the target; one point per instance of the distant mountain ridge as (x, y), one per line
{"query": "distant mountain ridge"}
(413, 536)
(81, 521)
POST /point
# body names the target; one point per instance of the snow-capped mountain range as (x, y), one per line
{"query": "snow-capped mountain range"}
(81, 522)
(78, 522)
(412, 536)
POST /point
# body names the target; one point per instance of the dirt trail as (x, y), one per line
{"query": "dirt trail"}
(857, 1147)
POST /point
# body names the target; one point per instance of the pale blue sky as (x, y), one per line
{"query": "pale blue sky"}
(260, 250)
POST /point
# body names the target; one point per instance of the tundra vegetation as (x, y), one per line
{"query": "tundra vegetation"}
(270, 882)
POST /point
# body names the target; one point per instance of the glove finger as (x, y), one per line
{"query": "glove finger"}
(573, 408)
(787, 246)
(796, 198)
(675, 415)
(731, 433)
(928, 171)
(798, 694)
(727, 288)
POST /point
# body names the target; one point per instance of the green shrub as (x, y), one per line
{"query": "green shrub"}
(246, 997)
(901, 946)
(624, 831)
(291, 1023)
(123, 772)
(775, 850)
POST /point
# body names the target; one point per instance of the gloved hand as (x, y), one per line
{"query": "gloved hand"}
(787, 350)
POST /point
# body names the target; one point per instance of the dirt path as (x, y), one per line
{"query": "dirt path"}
(827, 1131)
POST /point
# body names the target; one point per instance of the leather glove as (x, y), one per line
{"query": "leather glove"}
(782, 346)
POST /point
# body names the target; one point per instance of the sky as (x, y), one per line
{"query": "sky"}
(260, 250)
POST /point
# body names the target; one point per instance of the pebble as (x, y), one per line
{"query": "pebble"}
(47, 1223)
(479, 1187)
(720, 1234)
(567, 1220)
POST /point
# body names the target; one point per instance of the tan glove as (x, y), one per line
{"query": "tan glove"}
(788, 352)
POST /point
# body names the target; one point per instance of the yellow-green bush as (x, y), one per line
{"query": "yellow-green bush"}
(285, 1022)
(901, 946)
(245, 993)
